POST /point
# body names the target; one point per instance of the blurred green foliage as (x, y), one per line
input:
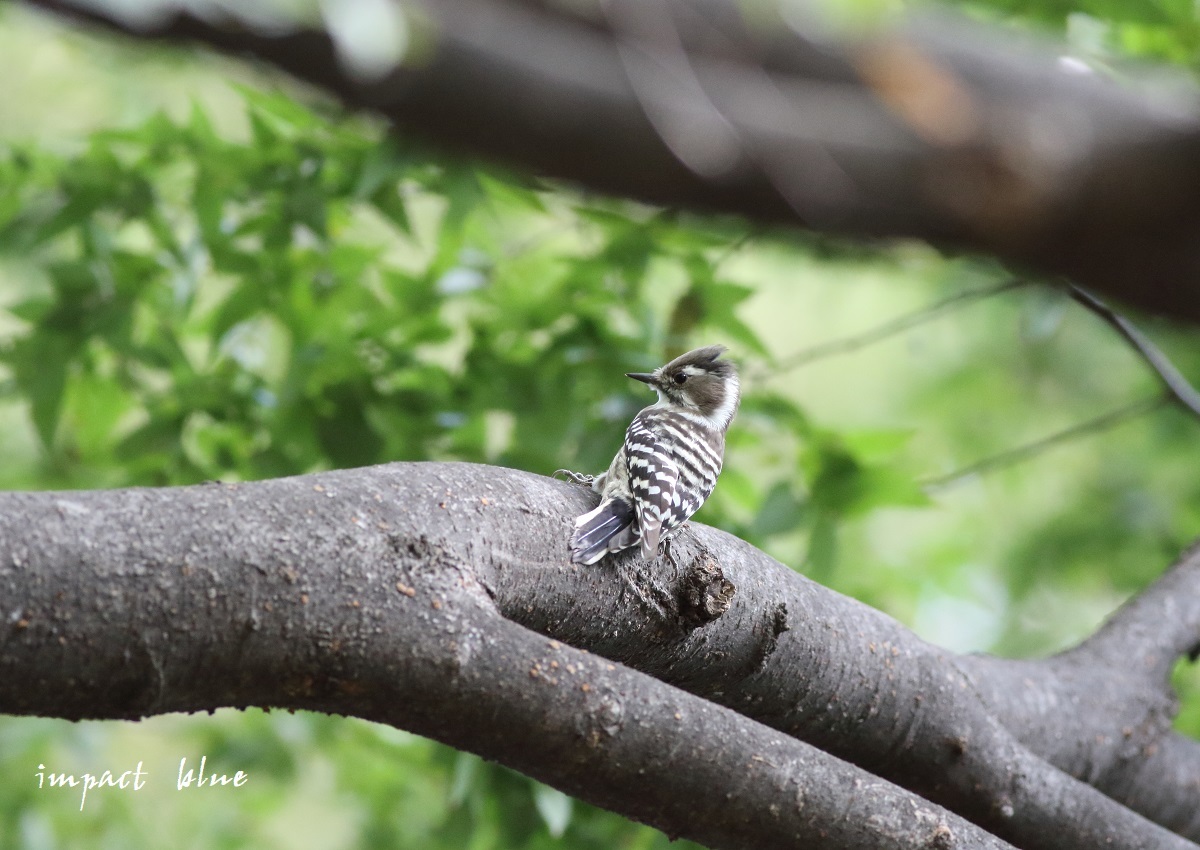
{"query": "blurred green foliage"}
(1102, 30)
(185, 306)
(269, 287)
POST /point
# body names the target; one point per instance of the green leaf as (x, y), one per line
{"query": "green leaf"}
(876, 444)
(466, 771)
(555, 808)
(284, 114)
(157, 438)
(389, 200)
(845, 484)
(780, 512)
(345, 433)
(821, 560)
(508, 192)
(741, 334)
(96, 405)
(40, 364)
(739, 488)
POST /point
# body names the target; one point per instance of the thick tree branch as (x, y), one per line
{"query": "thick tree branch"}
(322, 593)
(396, 592)
(807, 661)
(1115, 688)
(1175, 764)
(1157, 626)
(942, 131)
(1119, 720)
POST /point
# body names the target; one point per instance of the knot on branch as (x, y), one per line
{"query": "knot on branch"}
(767, 632)
(602, 717)
(704, 594)
(942, 838)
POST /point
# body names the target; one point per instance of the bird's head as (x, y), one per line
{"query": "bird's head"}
(698, 382)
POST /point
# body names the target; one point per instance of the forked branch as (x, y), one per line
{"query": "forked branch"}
(415, 594)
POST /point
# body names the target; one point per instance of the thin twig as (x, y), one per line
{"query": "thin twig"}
(891, 327)
(1011, 456)
(1178, 388)
(734, 247)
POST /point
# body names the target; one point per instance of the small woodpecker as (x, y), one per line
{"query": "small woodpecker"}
(669, 462)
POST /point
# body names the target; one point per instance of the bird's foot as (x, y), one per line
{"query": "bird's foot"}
(580, 478)
(668, 556)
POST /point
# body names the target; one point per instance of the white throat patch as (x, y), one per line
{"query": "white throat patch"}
(723, 415)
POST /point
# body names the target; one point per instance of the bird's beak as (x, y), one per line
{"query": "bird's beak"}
(644, 377)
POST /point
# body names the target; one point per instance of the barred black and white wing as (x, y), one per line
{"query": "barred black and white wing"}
(697, 450)
(653, 481)
(608, 528)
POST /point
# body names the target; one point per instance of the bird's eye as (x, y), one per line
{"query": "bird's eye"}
(680, 378)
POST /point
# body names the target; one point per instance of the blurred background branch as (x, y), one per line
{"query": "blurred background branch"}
(934, 128)
(891, 327)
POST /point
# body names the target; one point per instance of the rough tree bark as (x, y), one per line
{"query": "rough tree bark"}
(438, 598)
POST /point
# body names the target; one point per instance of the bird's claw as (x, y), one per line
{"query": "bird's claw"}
(667, 555)
(580, 478)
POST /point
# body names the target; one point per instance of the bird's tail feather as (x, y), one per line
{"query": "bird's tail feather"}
(606, 529)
